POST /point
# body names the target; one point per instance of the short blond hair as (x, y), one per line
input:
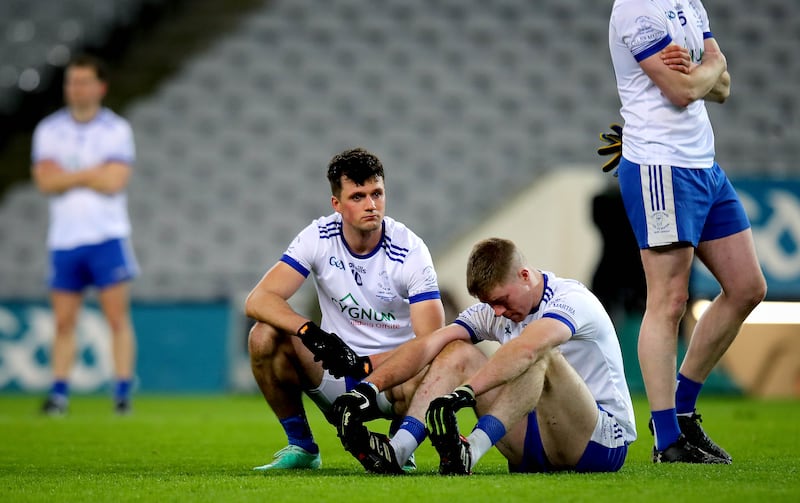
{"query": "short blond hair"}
(491, 263)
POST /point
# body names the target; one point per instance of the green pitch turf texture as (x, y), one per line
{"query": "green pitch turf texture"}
(203, 448)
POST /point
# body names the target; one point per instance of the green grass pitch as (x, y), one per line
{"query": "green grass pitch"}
(203, 448)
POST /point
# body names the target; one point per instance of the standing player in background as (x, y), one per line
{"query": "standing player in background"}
(376, 287)
(680, 204)
(82, 158)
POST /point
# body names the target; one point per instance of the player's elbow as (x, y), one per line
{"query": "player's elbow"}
(683, 99)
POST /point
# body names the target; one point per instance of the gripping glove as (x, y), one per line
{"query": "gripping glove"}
(612, 148)
(441, 415)
(336, 356)
(349, 413)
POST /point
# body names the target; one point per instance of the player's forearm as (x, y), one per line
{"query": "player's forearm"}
(403, 363)
(509, 362)
(109, 178)
(721, 90)
(682, 89)
(270, 308)
(51, 181)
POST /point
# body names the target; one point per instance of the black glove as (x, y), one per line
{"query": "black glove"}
(441, 415)
(349, 413)
(336, 356)
(612, 148)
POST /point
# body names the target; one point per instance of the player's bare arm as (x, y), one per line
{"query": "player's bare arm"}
(108, 178)
(51, 178)
(682, 89)
(516, 356)
(267, 302)
(722, 87)
(410, 358)
(677, 58)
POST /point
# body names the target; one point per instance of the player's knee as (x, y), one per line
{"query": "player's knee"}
(460, 357)
(669, 304)
(263, 342)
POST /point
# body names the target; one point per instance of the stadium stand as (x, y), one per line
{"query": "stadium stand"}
(466, 102)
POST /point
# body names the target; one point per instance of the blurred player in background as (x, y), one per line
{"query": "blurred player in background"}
(376, 287)
(680, 204)
(552, 397)
(82, 159)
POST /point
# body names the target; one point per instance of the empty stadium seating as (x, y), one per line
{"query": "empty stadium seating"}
(466, 102)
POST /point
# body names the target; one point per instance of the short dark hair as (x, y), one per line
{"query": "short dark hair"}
(492, 263)
(93, 62)
(357, 164)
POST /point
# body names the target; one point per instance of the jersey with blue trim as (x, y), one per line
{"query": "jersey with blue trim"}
(593, 349)
(82, 216)
(656, 131)
(365, 299)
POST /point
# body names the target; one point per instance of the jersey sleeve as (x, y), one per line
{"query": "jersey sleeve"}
(479, 320)
(574, 308)
(642, 27)
(125, 149)
(705, 25)
(301, 252)
(39, 145)
(421, 276)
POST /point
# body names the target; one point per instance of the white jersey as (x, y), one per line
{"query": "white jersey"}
(82, 216)
(655, 130)
(593, 350)
(365, 299)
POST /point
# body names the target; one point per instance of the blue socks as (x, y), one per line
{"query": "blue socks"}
(665, 427)
(299, 433)
(122, 390)
(492, 426)
(686, 394)
(60, 390)
(415, 427)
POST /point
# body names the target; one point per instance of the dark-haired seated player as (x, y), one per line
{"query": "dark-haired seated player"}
(376, 287)
(552, 397)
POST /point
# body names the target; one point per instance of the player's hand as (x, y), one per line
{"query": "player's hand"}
(336, 356)
(441, 415)
(351, 410)
(677, 58)
(613, 147)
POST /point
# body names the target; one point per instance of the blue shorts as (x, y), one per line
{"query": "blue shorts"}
(668, 204)
(100, 265)
(606, 451)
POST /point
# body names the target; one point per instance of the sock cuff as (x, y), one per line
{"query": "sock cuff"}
(492, 426)
(415, 427)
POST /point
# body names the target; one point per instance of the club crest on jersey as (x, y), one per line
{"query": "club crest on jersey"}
(385, 291)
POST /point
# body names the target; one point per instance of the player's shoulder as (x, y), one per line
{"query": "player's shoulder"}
(325, 227)
(637, 6)
(558, 287)
(54, 119)
(109, 118)
(399, 234)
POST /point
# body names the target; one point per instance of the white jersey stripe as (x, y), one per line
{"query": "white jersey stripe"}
(662, 227)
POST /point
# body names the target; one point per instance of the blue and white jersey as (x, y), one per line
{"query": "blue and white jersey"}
(365, 299)
(656, 131)
(82, 216)
(593, 350)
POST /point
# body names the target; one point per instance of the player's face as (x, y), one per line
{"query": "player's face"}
(82, 88)
(513, 299)
(361, 206)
